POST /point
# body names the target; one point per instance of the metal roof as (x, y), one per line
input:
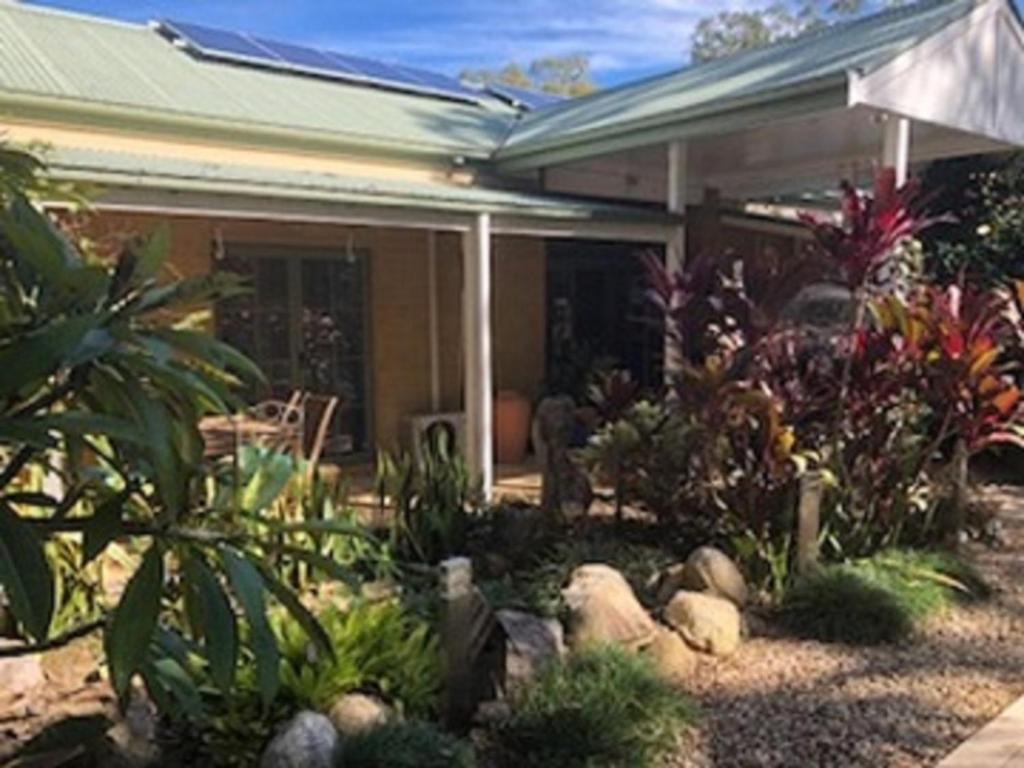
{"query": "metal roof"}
(54, 63)
(136, 171)
(817, 61)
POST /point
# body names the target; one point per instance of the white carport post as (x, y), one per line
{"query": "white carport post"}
(675, 248)
(896, 147)
(476, 322)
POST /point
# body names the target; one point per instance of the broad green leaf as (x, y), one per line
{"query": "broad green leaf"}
(26, 432)
(206, 347)
(157, 425)
(248, 586)
(131, 629)
(168, 684)
(25, 573)
(272, 476)
(326, 565)
(85, 423)
(103, 527)
(153, 252)
(308, 622)
(219, 626)
(36, 356)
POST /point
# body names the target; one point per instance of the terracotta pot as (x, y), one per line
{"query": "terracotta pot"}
(511, 427)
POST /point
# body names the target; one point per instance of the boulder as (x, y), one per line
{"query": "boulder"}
(710, 570)
(531, 644)
(308, 740)
(356, 713)
(707, 623)
(673, 659)
(604, 611)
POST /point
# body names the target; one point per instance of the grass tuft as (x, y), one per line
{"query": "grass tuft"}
(413, 744)
(881, 599)
(600, 709)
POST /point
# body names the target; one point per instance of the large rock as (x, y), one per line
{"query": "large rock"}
(356, 713)
(708, 623)
(673, 659)
(531, 644)
(308, 740)
(604, 611)
(710, 570)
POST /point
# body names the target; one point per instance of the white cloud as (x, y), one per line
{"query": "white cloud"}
(618, 35)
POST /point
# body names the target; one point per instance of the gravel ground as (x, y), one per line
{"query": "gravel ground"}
(785, 702)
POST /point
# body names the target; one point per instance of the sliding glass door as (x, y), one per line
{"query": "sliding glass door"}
(304, 324)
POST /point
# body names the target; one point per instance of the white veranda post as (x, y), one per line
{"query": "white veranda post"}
(675, 248)
(476, 323)
(896, 147)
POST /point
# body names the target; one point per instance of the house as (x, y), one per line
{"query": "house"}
(413, 243)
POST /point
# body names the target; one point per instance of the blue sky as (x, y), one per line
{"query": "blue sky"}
(624, 38)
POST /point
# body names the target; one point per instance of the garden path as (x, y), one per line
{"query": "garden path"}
(786, 702)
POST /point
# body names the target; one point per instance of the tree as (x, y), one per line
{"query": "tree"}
(101, 392)
(985, 241)
(568, 76)
(731, 32)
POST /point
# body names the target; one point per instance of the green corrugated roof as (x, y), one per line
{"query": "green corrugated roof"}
(81, 69)
(761, 76)
(106, 69)
(120, 169)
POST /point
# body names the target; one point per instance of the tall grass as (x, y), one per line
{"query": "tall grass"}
(881, 599)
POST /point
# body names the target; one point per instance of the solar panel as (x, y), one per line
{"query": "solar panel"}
(224, 45)
(206, 40)
(523, 97)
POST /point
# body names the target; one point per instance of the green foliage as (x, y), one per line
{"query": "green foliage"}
(431, 496)
(602, 708)
(568, 76)
(377, 647)
(731, 32)
(881, 599)
(413, 744)
(103, 389)
(986, 241)
(538, 589)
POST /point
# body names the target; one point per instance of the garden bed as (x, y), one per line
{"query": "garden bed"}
(782, 702)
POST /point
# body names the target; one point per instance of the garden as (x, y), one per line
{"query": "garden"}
(782, 556)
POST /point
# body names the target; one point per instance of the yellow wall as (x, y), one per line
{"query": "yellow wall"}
(399, 332)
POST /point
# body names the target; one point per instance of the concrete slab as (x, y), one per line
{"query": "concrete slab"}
(1000, 744)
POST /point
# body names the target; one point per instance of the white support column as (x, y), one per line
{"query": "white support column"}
(476, 323)
(896, 147)
(675, 248)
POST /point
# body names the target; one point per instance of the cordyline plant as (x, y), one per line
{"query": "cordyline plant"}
(99, 393)
(919, 376)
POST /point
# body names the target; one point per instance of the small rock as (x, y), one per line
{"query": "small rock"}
(131, 742)
(674, 660)
(356, 713)
(708, 623)
(532, 643)
(710, 570)
(308, 740)
(604, 610)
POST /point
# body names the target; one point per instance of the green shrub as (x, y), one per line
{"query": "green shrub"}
(879, 599)
(413, 744)
(377, 646)
(601, 709)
